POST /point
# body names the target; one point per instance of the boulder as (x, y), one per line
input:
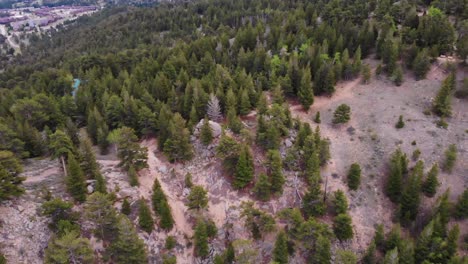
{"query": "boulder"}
(90, 189)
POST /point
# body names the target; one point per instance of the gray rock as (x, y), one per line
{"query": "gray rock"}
(162, 169)
(288, 143)
(90, 189)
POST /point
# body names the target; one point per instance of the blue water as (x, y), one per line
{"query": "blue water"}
(76, 84)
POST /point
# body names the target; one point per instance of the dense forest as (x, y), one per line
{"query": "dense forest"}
(131, 73)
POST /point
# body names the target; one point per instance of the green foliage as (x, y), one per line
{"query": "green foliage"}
(366, 73)
(75, 180)
(346, 257)
(178, 147)
(145, 220)
(342, 114)
(410, 198)
(99, 211)
(244, 168)
(58, 210)
(69, 248)
(228, 151)
(275, 170)
(398, 76)
(60, 144)
(400, 123)
(161, 207)
(10, 180)
(450, 158)
(234, 122)
(354, 176)
(317, 118)
(342, 227)
(322, 253)
(197, 199)
(171, 242)
(126, 209)
(312, 202)
(431, 183)
(128, 149)
(306, 93)
(421, 64)
(256, 221)
(379, 236)
(201, 239)
(461, 207)
(262, 187)
(340, 202)
(391, 257)
(442, 102)
(127, 247)
(188, 180)
(132, 176)
(280, 252)
(394, 184)
(206, 133)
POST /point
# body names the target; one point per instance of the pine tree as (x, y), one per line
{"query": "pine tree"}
(442, 103)
(88, 159)
(132, 176)
(197, 199)
(244, 168)
(317, 118)
(275, 170)
(395, 180)
(178, 147)
(346, 257)
(99, 211)
(201, 239)
(342, 227)
(369, 256)
(234, 122)
(306, 93)
(128, 248)
(262, 187)
(400, 123)
(366, 73)
(244, 106)
(69, 248)
(461, 207)
(262, 104)
(145, 220)
(341, 114)
(391, 257)
(431, 183)
(214, 109)
(421, 64)
(126, 209)
(280, 252)
(129, 150)
(188, 180)
(450, 158)
(312, 202)
(398, 76)
(410, 199)
(10, 180)
(322, 254)
(75, 180)
(340, 202)
(100, 185)
(60, 144)
(354, 176)
(206, 133)
(166, 221)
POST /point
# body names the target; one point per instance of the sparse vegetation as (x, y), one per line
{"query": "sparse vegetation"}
(341, 114)
(450, 158)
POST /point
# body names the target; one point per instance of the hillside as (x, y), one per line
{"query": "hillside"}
(239, 132)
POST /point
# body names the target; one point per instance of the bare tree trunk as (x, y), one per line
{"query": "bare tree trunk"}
(64, 166)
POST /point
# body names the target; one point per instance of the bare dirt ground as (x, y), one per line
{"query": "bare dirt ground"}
(370, 137)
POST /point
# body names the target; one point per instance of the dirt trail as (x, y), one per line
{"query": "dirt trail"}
(182, 228)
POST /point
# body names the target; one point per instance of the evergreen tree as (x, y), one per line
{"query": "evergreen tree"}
(379, 236)
(69, 248)
(234, 122)
(280, 252)
(398, 76)
(450, 158)
(262, 104)
(244, 168)
(197, 199)
(262, 187)
(354, 176)
(129, 150)
(366, 73)
(369, 256)
(322, 254)
(178, 147)
(421, 64)
(341, 114)
(126, 209)
(312, 202)
(244, 106)
(410, 199)
(166, 221)
(201, 239)
(132, 176)
(188, 180)
(128, 248)
(342, 227)
(60, 144)
(442, 103)
(400, 123)
(257, 221)
(75, 180)
(275, 170)
(340, 202)
(461, 207)
(99, 211)
(391, 257)
(317, 118)
(395, 180)
(206, 133)
(145, 220)
(346, 257)
(10, 180)
(306, 93)
(431, 183)
(214, 109)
